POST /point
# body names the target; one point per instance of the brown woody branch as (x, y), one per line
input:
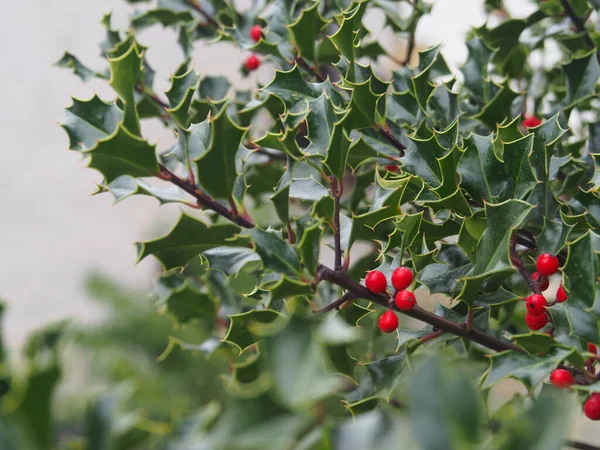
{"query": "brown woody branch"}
(198, 7)
(578, 22)
(518, 263)
(204, 199)
(336, 192)
(359, 291)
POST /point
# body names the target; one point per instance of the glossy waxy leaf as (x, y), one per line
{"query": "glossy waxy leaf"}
(492, 258)
(529, 369)
(69, 61)
(186, 303)
(582, 76)
(276, 254)
(581, 271)
(88, 121)
(248, 328)
(217, 169)
(180, 96)
(305, 31)
(123, 153)
(188, 238)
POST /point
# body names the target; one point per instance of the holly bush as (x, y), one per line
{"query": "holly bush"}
(480, 183)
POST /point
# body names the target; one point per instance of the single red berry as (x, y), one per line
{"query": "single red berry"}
(591, 407)
(376, 282)
(543, 282)
(392, 168)
(252, 63)
(388, 322)
(561, 379)
(546, 264)
(536, 322)
(402, 277)
(405, 300)
(592, 348)
(256, 33)
(531, 122)
(536, 305)
(561, 295)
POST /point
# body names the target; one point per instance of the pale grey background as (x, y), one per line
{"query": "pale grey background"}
(52, 233)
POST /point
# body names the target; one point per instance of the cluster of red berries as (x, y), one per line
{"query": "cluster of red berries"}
(563, 379)
(252, 62)
(537, 317)
(402, 277)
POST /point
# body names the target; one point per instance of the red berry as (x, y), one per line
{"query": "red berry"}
(405, 300)
(543, 282)
(592, 348)
(536, 322)
(531, 122)
(546, 264)
(256, 33)
(392, 168)
(376, 282)
(388, 322)
(561, 379)
(561, 295)
(591, 407)
(402, 277)
(252, 63)
(536, 305)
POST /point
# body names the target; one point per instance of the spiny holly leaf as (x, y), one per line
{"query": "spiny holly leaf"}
(125, 74)
(276, 254)
(180, 96)
(320, 123)
(517, 167)
(498, 108)
(493, 258)
(217, 166)
(582, 76)
(554, 236)
(214, 88)
(386, 371)
(431, 65)
(581, 272)
(231, 260)
(305, 31)
(422, 157)
(309, 246)
(68, 61)
(534, 343)
(122, 153)
(284, 141)
(345, 39)
(186, 304)
(529, 369)
(164, 16)
(188, 238)
(482, 174)
(337, 152)
(475, 69)
(287, 288)
(402, 107)
(583, 324)
(126, 186)
(247, 328)
(293, 90)
(88, 121)
(366, 108)
(281, 201)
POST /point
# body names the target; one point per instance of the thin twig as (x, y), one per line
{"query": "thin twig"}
(359, 291)
(196, 5)
(581, 445)
(204, 199)
(336, 192)
(306, 66)
(347, 297)
(518, 263)
(579, 24)
(431, 336)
